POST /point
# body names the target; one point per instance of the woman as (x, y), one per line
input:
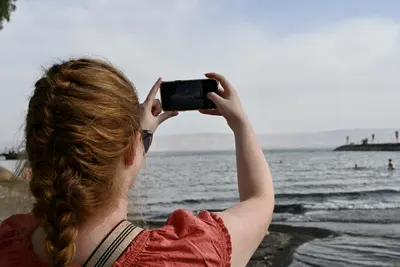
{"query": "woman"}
(86, 137)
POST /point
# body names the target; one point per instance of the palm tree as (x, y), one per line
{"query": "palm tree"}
(347, 140)
(372, 138)
(396, 133)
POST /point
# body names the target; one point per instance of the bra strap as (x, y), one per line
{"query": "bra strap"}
(112, 247)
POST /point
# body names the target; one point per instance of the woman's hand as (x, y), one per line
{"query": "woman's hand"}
(151, 110)
(227, 102)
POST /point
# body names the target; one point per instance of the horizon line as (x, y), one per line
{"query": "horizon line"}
(284, 133)
(19, 142)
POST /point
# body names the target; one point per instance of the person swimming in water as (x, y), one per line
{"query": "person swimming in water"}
(358, 168)
(390, 165)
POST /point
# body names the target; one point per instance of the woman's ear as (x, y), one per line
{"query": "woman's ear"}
(135, 148)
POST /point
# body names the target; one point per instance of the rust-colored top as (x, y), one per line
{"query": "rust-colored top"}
(185, 240)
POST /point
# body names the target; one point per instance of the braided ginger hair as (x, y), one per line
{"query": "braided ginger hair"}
(81, 120)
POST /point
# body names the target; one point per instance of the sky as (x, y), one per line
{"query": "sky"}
(299, 66)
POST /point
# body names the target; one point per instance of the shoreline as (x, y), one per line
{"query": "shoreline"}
(277, 248)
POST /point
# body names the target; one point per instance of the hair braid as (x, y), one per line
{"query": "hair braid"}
(55, 186)
(81, 120)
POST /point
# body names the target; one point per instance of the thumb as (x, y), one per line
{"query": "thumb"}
(215, 98)
(166, 115)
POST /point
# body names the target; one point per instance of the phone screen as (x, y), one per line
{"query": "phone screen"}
(187, 95)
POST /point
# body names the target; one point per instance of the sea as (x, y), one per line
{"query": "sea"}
(313, 188)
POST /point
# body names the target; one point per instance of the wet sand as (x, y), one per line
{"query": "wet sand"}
(277, 248)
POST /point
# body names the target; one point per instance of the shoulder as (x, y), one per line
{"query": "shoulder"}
(186, 238)
(14, 241)
(18, 223)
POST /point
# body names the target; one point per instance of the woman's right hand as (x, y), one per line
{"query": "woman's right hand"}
(227, 103)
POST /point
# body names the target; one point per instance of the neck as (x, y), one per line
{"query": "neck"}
(90, 234)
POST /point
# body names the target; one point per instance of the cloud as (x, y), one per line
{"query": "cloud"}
(338, 75)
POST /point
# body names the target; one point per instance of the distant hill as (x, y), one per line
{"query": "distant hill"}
(211, 141)
(327, 139)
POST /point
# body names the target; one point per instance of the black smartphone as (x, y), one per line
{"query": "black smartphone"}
(187, 94)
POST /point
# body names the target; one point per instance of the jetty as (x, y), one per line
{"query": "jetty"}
(365, 145)
(370, 147)
(13, 154)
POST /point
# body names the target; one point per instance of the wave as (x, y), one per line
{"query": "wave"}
(162, 217)
(352, 206)
(338, 194)
(195, 201)
(379, 235)
(290, 208)
(295, 207)
(342, 220)
(303, 208)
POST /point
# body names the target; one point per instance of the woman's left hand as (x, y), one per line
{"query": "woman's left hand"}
(152, 115)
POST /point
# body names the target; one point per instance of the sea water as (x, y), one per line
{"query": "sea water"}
(313, 188)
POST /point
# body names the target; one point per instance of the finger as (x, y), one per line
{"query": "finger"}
(221, 91)
(213, 112)
(215, 98)
(153, 92)
(156, 108)
(167, 115)
(222, 80)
